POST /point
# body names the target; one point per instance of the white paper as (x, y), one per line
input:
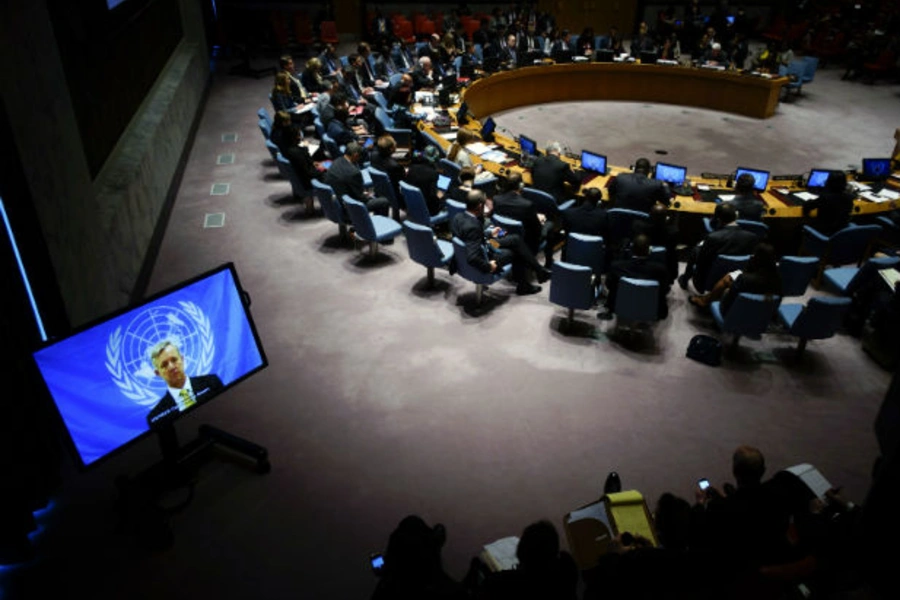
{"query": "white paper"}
(806, 196)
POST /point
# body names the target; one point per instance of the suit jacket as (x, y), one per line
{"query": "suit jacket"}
(730, 239)
(834, 212)
(470, 230)
(752, 282)
(345, 178)
(424, 176)
(340, 133)
(283, 102)
(204, 386)
(394, 170)
(636, 191)
(749, 207)
(587, 219)
(639, 268)
(550, 174)
(513, 206)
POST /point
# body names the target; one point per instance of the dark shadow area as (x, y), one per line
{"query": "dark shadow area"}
(580, 331)
(439, 286)
(299, 214)
(335, 242)
(467, 302)
(365, 261)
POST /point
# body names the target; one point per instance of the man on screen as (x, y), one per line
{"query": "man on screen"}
(183, 391)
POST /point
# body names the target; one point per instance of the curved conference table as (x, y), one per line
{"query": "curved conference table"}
(747, 95)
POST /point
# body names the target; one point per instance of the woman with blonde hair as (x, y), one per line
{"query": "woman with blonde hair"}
(457, 152)
(312, 78)
(281, 93)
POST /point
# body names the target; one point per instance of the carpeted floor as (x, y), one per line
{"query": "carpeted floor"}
(384, 398)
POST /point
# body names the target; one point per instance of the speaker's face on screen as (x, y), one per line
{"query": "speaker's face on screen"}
(170, 366)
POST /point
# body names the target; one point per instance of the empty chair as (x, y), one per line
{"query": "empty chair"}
(794, 71)
(383, 186)
(847, 280)
(331, 206)
(299, 190)
(723, 265)
(417, 208)
(403, 137)
(810, 64)
(818, 320)
(370, 228)
(749, 315)
(637, 301)
(426, 249)
(587, 250)
(470, 273)
(796, 273)
(572, 287)
(849, 245)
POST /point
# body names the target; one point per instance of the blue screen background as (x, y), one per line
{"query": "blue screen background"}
(80, 371)
(593, 162)
(670, 174)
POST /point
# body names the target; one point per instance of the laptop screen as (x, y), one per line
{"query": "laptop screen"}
(760, 178)
(528, 145)
(670, 173)
(593, 162)
(817, 178)
(876, 168)
(443, 183)
(488, 127)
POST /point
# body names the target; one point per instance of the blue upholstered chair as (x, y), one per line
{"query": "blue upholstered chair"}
(417, 208)
(849, 245)
(810, 65)
(265, 128)
(543, 202)
(621, 225)
(299, 190)
(453, 208)
(470, 273)
(723, 264)
(818, 320)
(796, 273)
(637, 302)
(263, 114)
(332, 148)
(795, 71)
(426, 249)
(572, 287)
(403, 137)
(510, 225)
(749, 315)
(587, 250)
(758, 227)
(383, 186)
(847, 280)
(370, 228)
(273, 150)
(449, 168)
(331, 206)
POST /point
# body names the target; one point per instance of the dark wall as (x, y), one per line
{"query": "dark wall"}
(112, 59)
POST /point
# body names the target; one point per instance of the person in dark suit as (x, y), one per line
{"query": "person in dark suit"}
(551, 174)
(298, 91)
(383, 160)
(288, 138)
(182, 392)
(728, 239)
(424, 76)
(489, 249)
(639, 266)
(636, 191)
(745, 202)
(344, 177)
(834, 205)
(760, 277)
(662, 229)
(589, 217)
(509, 56)
(511, 204)
(466, 180)
(424, 175)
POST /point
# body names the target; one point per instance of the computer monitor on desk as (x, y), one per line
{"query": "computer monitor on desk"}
(817, 178)
(593, 162)
(760, 178)
(875, 169)
(487, 129)
(528, 146)
(674, 175)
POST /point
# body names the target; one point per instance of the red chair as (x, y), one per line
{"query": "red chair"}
(328, 32)
(303, 31)
(406, 32)
(777, 30)
(471, 27)
(418, 22)
(428, 28)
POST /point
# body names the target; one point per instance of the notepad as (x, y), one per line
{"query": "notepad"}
(891, 277)
(805, 196)
(629, 513)
(479, 148)
(501, 554)
(811, 476)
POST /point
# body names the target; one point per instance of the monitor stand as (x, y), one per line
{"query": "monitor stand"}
(145, 500)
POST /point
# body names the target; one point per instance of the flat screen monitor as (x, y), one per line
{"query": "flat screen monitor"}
(593, 162)
(648, 57)
(488, 128)
(672, 174)
(113, 381)
(760, 178)
(817, 178)
(876, 168)
(528, 145)
(443, 183)
(462, 114)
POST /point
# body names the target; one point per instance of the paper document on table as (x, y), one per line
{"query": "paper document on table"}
(496, 156)
(501, 554)
(479, 148)
(873, 197)
(889, 194)
(891, 277)
(806, 196)
(702, 187)
(449, 136)
(304, 108)
(813, 479)
(726, 197)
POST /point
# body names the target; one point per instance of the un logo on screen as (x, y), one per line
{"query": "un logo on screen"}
(127, 351)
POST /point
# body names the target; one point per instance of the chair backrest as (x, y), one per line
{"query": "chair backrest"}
(287, 170)
(796, 273)
(587, 250)
(384, 118)
(821, 318)
(265, 128)
(360, 217)
(328, 201)
(453, 208)
(869, 270)
(465, 270)
(263, 114)
(750, 314)
(637, 299)
(450, 169)
(431, 140)
(383, 186)
(543, 202)
(421, 244)
(758, 227)
(331, 147)
(621, 223)
(811, 63)
(416, 207)
(320, 127)
(849, 244)
(725, 263)
(510, 225)
(570, 286)
(273, 149)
